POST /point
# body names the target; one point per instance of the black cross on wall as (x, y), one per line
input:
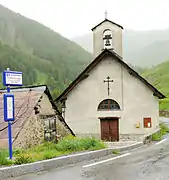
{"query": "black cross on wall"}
(108, 81)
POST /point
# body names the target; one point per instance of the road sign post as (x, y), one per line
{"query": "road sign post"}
(10, 78)
(9, 117)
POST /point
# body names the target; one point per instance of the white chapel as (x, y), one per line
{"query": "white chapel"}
(109, 100)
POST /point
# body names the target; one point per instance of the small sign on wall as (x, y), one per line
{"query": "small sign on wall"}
(138, 125)
(9, 107)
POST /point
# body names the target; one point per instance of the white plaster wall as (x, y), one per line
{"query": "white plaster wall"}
(135, 99)
(98, 44)
(139, 102)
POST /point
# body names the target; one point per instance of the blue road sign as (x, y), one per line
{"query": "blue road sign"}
(9, 116)
(12, 78)
(9, 112)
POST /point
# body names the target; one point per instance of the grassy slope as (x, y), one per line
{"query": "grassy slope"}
(160, 135)
(50, 150)
(159, 77)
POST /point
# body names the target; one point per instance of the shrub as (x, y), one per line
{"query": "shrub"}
(17, 151)
(51, 154)
(164, 129)
(48, 155)
(92, 144)
(46, 146)
(68, 145)
(115, 152)
(156, 137)
(76, 144)
(4, 158)
(23, 159)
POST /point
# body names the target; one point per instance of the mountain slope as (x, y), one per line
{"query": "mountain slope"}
(159, 77)
(86, 41)
(150, 55)
(141, 48)
(28, 46)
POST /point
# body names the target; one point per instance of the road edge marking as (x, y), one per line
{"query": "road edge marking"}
(103, 161)
(161, 141)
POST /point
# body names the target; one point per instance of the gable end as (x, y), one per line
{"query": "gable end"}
(102, 55)
(107, 21)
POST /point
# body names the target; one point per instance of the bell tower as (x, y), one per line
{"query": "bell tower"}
(107, 35)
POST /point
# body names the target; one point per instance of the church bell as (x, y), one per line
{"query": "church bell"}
(107, 42)
(107, 38)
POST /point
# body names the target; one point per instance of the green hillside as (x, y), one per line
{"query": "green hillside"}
(159, 77)
(43, 55)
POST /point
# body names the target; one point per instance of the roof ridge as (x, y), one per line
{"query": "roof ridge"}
(108, 21)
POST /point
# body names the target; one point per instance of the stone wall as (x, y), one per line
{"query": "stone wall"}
(90, 135)
(132, 137)
(45, 106)
(164, 113)
(46, 110)
(61, 130)
(31, 134)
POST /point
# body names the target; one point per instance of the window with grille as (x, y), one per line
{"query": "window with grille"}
(108, 104)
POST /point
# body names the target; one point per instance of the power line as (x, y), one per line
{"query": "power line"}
(18, 111)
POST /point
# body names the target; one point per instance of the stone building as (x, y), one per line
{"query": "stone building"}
(36, 118)
(110, 100)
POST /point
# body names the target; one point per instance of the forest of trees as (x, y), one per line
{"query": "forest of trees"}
(44, 56)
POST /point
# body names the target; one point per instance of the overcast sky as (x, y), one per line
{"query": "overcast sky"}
(76, 17)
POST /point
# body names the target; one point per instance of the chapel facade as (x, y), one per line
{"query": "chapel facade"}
(109, 100)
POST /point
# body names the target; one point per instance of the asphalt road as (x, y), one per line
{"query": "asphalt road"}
(148, 163)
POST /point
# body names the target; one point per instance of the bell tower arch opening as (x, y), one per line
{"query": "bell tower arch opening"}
(107, 39)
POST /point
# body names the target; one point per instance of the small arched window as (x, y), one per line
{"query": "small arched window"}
(108, 104)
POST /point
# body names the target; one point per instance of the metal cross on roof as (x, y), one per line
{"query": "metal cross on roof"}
(105, 14)
(108, 81)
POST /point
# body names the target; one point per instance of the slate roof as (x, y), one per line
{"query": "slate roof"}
(26, 98)
(99, 58)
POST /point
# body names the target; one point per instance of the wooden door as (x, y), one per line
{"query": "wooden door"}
(114, 130)
(109, 129)
(105, 130)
